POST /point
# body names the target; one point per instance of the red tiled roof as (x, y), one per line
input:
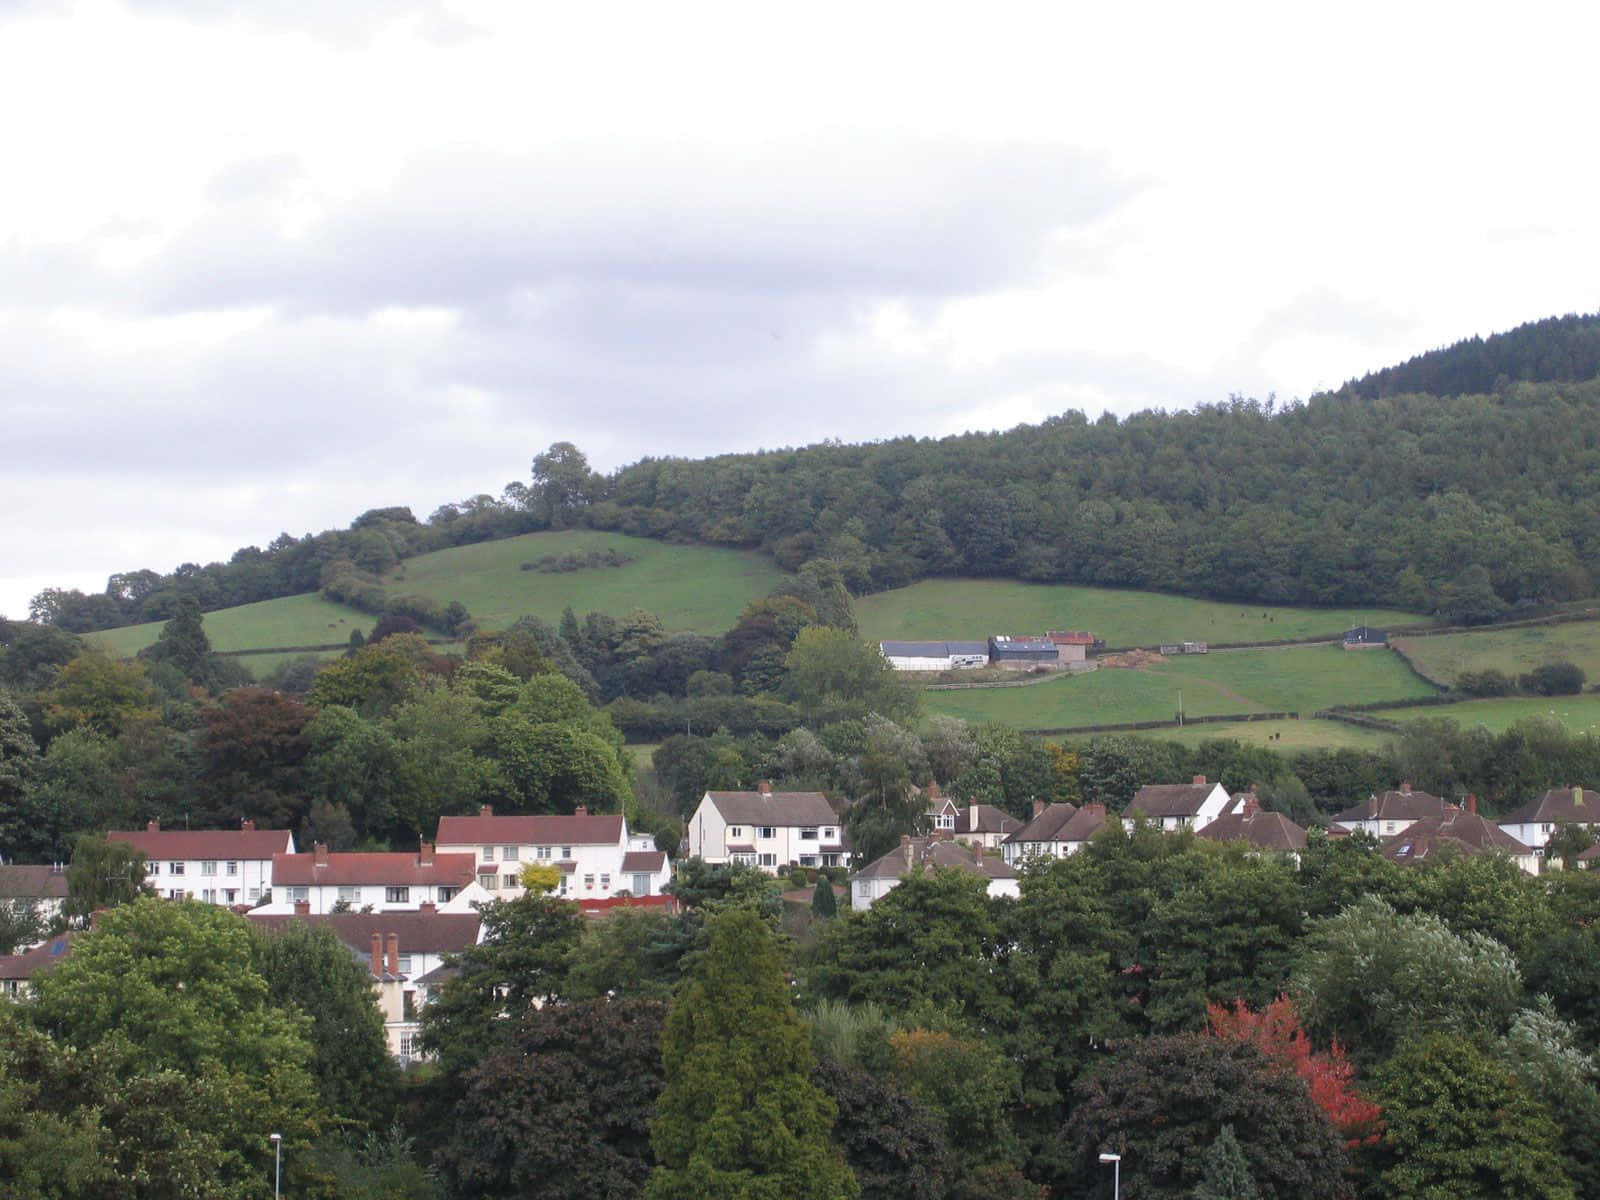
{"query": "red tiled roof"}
(40, 958)
(206, 843)
(1558, 806)
(1268, 830)
(419, 932)
(1169, 799)
(593, 829)
(1403, 804)
(43, 882)
(390, 870)
(1070, 638)
(1468, 831)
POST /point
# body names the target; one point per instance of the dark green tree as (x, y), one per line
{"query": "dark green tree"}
(891, 1141)
(824, 903)
(740, 1118)
(102, 874)
(1224, 1173)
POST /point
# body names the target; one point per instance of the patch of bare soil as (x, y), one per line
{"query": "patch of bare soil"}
(1131, 660)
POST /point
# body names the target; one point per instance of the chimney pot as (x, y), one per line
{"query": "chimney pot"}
(247, 825)
(486, 810)
(1199, 781)
(394, 954)
(581, 811)
(377, 954)
(152, 827)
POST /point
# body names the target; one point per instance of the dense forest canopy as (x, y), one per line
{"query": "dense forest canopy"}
(1469, 502)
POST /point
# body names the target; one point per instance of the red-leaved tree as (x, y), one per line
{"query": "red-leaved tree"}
(1329, 1077)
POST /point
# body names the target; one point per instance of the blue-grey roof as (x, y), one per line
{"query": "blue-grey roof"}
(968, 647)
(932, 649)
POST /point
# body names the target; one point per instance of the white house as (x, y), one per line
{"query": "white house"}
(935, 656)
(1387, 813)
(1463, 830)
(597, 857)
(18, 970)
(1536, 821)
(325, 883)
(942, 811)
(767, 829)
(43, 888)
(1056, 831)
(879, 878)
(1176, 806)
(218, 866)
(400, 950)
(1257, 827)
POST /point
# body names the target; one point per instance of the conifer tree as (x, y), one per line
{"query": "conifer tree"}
(823, 902)
(740, 1118)
(1225, 1173)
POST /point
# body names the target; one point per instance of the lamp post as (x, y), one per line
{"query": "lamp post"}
(277, 1164)
(1116, 1172)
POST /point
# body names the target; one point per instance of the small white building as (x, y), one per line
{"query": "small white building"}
(1385, 814)
(1177, 806)
(879, 878)
(217, 866)
(400, 951)
(43, 888)
(767, 829)
(935, 656)
(326, 883)
(1537, 821)
(597, 856)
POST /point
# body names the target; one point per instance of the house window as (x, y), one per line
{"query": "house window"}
(255, 895)
(297, 893)
(767, 831)
(809, 860)
(944, 821)
(641, 885)
(152, 868)
(349, 894)
(512, 881)
(562, 890)
(542, 854)
(566, 852)
(489, 883)
(175, 868)
(209, 895)
(508, 853)
(405, 1049)
(588, 881)
(748, 860)
(766, 860)
(404, 962)
(863, 890)
(11, 987)
(230, 895)
(735, 830)
(828, 832)
(605, 883)
(176, 894)
(231, 867)
(808, 835)
(397, 895)
(447, 893)
(208, 866)
(488, 854)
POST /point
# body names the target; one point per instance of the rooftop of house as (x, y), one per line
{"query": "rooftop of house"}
(1462, 828)
(1558, 806)
(1063, 824)
(582, 828)
(1170, 799)
(931, 853)
(985, 818)
(322, 869)
(1249, 822)
(930, 649)
(1047, 821)
(46, 881)
(767, 807)
(652, 861)
(246, 842)
(1401, 804)
(41, 958)
(1005, 643)
(421, 932)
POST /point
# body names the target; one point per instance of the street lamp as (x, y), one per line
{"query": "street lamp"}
(277, 1164)
(1115, 1160)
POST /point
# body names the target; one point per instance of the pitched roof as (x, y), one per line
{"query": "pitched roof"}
(43, 882)
(1558, 806)
(486, 829)
(391, 870)
(206, 843)
(419, 932)
(774, 808)
(1044, 827)
(985, 818)
(1268, 830)
(644, 860)
(1169, 799)
(41, 958)
(1469, 832)
(1002, 643)
(1402, 804)
(917, 854)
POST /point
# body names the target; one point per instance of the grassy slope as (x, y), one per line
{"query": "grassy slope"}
(290, 621)
(1580, 714)
(1514, 651)
(1298, 679)
(1291, 735)
(701, 589)
(971, 609)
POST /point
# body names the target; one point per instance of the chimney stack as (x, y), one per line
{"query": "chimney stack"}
(425, 855)
(427, 906)
(319, 853)
(1038, 807)
(377, 956)
(486, 810)
(1098, 810)
(247, 825)
(1251, 805)
(764, 786)
(1405, 787)
(1577, 795)
(302, 908)
(933, 790)
(1472, 803)
(152, 827)
(1199, 781)
(394, 954)
(581, 811)
(977, 852)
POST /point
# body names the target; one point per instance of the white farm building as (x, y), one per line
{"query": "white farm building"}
(934, 656)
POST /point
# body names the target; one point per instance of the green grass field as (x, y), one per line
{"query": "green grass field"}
(290, 621)
(700, 589)
(1580, 714)
(1298, 679)
(1291, 735)
(1514, 651)
(972, 609)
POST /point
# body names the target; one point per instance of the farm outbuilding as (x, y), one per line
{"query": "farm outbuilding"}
(934, 656)
(1007, 651)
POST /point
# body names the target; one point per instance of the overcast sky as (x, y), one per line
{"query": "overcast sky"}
(267, 264)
